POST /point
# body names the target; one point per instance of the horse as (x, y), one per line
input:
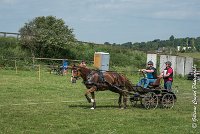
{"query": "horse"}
(95, 80)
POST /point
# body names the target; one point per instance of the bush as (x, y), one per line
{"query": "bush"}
(119, 55)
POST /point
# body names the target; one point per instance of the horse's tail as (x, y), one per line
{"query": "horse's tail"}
(129, 85)
(124, 82)
(119, 79)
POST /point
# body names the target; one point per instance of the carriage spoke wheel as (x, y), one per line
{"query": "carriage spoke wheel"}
(134, 101)
(150, 100)
(168, 100)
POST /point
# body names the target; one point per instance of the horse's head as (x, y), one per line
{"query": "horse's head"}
(75, 73)
(80, 71)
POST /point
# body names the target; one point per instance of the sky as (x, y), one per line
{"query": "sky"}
(113, 21)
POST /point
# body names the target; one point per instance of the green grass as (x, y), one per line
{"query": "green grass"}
(54, 105)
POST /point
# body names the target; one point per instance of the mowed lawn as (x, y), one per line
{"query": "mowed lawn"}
(55, 105)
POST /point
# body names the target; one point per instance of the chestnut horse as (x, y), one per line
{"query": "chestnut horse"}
(95, 80)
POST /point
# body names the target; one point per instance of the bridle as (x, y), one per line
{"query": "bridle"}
(75, 73)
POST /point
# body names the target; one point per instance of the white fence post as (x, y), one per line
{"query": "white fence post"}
(188, 65)
(180, 65)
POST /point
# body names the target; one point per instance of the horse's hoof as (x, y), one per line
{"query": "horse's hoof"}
(92, 108)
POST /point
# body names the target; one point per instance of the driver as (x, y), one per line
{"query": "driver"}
(151, 75)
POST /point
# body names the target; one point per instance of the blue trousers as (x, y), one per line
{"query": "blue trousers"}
(168, 85)
(145, 82)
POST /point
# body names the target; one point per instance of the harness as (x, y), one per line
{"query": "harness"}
(96, 78)
(101, 77)
(91, 76)
(75, 77)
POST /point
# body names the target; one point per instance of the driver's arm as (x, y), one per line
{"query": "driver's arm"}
(148, 71)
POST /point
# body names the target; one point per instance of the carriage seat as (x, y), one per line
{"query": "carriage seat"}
(156, 83)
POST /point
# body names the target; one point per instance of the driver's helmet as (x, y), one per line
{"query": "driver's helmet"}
(169, 63)
(150, 63)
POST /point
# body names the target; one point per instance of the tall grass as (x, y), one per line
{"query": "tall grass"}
(54, 105)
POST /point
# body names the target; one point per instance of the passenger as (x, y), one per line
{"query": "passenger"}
(151, 75)
(167, 75)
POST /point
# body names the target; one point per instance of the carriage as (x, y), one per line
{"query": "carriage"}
(151, 97)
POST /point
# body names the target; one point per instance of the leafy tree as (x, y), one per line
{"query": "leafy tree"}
(197, 44)
(171, 38)
(156, 40)
(107, 43)
(46, 36)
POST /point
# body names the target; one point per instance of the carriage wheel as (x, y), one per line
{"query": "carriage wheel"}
(198, 78)
(134, 101)
(168, 100)
(150, 100)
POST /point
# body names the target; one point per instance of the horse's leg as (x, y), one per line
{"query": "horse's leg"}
(120, 100)
(125, 100)
(93, 100)
(90, 91)
(88, 98)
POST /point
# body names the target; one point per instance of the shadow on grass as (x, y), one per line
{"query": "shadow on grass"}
(89, 106)
(105, 106)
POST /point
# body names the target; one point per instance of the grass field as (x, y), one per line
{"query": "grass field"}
(54, 105)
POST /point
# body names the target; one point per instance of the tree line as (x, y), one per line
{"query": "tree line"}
(186, 45)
